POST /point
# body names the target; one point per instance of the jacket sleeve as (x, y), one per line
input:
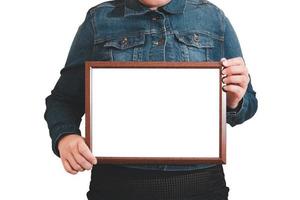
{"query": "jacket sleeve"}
(65, 104)
(248, 105)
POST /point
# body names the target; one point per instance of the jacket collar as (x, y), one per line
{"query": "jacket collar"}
(135, 7)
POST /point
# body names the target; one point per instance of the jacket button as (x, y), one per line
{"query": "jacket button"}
(161, 41)
(124, 41)
(196, 37)
(155, 42)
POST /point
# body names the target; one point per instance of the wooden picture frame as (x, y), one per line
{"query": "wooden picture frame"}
(152, 112)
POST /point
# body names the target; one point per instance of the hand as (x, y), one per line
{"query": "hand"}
(75, 154)
(236, 79)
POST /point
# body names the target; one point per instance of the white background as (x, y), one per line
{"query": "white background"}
(263, 159)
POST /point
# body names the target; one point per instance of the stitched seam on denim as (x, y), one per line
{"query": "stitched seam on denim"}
(111, 54)
(155, 31)
(93, 24)
(135, 53)
(223, 35)
(208, 53)
(94, 30)
(139, 34)
(109, 5)
(212, 35)
(196, 2)
(132, 34)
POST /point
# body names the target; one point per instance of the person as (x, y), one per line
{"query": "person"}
(147, 30)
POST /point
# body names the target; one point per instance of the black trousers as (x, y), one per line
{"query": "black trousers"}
(113, 182)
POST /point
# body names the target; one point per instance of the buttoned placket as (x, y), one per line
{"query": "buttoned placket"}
(158, 36)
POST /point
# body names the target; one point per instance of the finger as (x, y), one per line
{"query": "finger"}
(222, 60)
(82, 161)
(233, 61)
(86, 153)
(235, 70)
(73, 163)
(68, 167)
(237, 90)
(241, 80)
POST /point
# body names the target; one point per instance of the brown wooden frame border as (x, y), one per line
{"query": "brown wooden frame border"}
(158, 160)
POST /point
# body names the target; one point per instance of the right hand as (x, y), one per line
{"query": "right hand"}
(75, 154)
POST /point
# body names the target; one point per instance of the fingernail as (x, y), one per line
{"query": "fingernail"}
(223, 61)
(223, 88)
(223, 79)
(223, 72)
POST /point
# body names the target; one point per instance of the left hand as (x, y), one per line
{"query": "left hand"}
(236, 79)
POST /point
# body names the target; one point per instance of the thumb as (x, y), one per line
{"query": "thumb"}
(86, 152)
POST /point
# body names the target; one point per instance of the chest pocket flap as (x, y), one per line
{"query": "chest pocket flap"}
(126, 41)
(195, 39)
(125, 47)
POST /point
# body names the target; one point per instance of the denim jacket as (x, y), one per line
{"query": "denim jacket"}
(126, 30)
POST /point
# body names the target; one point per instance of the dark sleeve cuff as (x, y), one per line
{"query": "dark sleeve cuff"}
(237, 109)
(235, 116)
(61, 131)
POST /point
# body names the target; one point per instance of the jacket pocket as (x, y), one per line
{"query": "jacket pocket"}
(195, 46)
(122, 48)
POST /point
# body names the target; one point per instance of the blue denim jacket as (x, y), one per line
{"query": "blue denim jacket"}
(126, 30)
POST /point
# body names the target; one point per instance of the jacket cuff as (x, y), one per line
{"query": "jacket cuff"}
(237, 109)
(61, 131)
(235, 115)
